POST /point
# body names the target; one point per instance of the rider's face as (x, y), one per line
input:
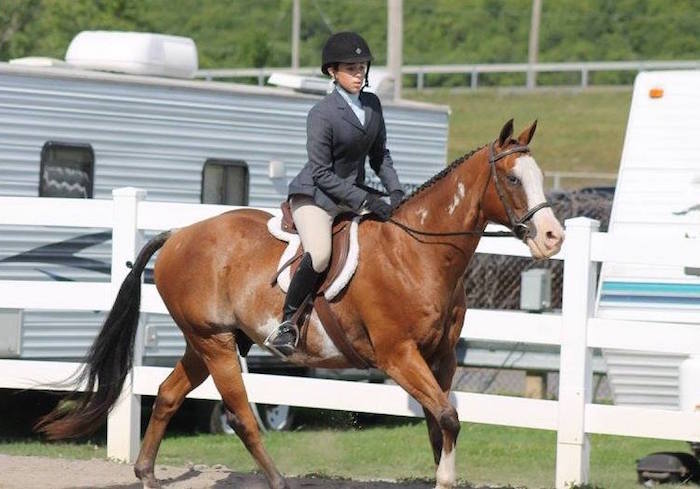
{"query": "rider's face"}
(350, 76)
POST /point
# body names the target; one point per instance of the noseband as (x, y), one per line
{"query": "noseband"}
(519, 226)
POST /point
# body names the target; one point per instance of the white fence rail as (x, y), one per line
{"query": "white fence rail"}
(573, 416)
(584, 68)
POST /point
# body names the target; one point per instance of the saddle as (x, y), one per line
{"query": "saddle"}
(340, 248)
(336, 277)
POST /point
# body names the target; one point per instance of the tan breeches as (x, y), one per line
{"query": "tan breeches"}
(314, 226)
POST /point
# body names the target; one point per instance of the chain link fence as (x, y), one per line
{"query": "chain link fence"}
(493, 282)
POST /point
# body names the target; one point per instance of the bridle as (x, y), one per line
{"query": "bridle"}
(519, 227)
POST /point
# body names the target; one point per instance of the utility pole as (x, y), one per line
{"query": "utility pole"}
(533, 46)
(395, 43)
(296, 28)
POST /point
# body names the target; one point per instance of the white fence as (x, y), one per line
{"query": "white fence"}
(473, 70)
(573, 416)
(557, 177)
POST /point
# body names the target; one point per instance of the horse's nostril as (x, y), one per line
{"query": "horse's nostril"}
(552, 238)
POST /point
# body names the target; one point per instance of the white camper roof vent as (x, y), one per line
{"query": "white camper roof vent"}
(379, 82)
(136, 53)
(40, 61)
(300, 83)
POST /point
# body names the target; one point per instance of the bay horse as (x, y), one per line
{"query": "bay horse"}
(403, 311)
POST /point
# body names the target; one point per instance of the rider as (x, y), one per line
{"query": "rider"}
(341, 130)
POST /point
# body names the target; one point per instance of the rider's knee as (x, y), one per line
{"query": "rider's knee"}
(320, 260)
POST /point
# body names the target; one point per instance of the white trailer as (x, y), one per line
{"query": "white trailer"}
(657, 196)
(79, 133)
(75, 132)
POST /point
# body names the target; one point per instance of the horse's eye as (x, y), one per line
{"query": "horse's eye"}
(513, 180)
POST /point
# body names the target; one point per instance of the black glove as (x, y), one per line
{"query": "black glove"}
(378, 207)
(396, 197)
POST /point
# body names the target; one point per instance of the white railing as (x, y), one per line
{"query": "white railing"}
(558, 176)
(573, 416)
(584, 68)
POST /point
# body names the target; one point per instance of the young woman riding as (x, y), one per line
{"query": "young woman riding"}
(343, 129)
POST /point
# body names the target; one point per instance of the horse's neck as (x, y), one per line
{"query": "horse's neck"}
(451, 204)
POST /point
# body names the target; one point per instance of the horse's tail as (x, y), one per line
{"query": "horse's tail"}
(107, 363)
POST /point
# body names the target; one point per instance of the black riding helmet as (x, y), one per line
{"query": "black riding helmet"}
(345, 47)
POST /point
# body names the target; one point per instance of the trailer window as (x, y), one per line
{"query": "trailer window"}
(225, 182)
(66, 170)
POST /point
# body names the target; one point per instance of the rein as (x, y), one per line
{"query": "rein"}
(492, 234)
(519, 227)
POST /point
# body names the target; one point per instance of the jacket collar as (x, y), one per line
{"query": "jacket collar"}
(348, 114)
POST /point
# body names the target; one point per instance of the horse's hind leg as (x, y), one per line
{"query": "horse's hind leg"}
(219, 352)
(189, 372)
(408, 368)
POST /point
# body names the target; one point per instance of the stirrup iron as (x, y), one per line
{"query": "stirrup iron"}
(282, 351)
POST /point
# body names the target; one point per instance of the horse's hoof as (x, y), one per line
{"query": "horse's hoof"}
(151, 485)
(150, 482)
(280, 483)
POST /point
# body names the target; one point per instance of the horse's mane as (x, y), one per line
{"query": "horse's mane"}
(441, 174)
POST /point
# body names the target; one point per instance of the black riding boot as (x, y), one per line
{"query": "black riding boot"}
(284, 339)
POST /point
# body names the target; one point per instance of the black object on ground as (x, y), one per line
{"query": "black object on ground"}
(668, 467)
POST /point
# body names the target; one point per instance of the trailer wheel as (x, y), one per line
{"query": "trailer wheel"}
(276, 417)
(218, 420)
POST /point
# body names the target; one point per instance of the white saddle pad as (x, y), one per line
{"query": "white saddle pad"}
(274, 225)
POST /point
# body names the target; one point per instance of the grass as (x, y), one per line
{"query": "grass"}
(486, 454)
(577, 130)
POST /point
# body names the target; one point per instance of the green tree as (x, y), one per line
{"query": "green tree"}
(15, 17)
(246, 33)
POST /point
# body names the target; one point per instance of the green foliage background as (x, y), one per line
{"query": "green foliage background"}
(245, 33)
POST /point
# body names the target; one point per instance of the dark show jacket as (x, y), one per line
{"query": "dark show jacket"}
(337, 145)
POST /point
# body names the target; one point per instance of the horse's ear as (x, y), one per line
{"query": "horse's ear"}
(506, 133)
(526, 136)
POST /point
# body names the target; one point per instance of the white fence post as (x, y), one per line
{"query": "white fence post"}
(124, 421)
(575, 374)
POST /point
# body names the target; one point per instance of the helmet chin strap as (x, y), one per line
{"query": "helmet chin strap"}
(335, 80)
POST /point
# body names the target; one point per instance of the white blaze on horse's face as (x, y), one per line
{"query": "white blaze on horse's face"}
(550, 234)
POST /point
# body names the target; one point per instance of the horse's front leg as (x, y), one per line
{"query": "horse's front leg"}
(408, 368)
(444, 369)
(443, 365)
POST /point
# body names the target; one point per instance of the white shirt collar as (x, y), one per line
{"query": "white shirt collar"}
(350, 98)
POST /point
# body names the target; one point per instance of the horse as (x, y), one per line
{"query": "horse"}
(403, 310)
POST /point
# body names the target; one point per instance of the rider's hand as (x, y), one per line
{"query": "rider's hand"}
(378, 207)
(395, 198)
